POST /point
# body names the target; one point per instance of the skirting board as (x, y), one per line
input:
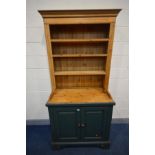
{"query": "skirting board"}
(46, 121)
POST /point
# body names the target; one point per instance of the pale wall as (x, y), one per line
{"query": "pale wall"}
(38, 80)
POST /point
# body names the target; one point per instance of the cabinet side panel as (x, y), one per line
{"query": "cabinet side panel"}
(109, 55)
(50, 58)
(108, 118)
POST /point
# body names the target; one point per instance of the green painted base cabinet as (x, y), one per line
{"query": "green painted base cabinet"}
(81, 124)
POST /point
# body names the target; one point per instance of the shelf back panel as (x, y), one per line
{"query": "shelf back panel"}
(80, 81)
(79, 64)
(80, 48)
(81, 31)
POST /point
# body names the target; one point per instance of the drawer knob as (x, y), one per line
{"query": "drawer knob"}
(83, 125)
(78, 109)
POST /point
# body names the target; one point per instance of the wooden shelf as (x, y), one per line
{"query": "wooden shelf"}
(78, 40)
(78, 55)
(79, 95)
(57, 73)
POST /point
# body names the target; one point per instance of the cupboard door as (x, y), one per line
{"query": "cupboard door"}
(67, 124)
(95, 123)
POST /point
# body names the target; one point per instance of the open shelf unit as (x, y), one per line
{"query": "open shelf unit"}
(79, 53)
(79, 47)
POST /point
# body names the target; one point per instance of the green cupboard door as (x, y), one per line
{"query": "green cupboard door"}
(66, 123)
(93, 123)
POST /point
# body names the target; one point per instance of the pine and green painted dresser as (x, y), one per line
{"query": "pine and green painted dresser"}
(79, 48)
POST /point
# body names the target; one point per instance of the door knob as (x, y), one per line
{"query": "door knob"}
(78, 109)
(83, 125)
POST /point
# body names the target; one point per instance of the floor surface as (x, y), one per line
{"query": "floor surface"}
(38, 142)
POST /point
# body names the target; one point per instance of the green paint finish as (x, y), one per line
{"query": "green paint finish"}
(80, 124)
(66, 124)
(93, 118)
